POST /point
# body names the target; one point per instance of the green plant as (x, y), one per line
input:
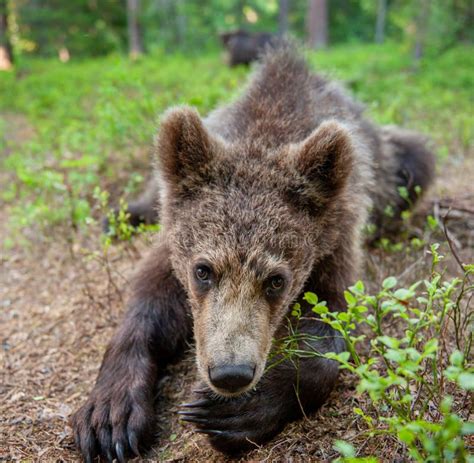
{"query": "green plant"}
(117, 224)
(71, 127)
(412, 376)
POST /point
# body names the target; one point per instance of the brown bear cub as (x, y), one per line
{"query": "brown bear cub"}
(261, 201)
(244, 47)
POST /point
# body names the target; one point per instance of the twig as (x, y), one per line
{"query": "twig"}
(410, 268)
(450, 242)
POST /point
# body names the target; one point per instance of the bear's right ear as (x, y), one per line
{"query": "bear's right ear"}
(185, 151)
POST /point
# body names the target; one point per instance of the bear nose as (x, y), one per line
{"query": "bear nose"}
(232, 377)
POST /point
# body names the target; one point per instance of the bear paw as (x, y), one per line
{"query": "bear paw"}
(114, 423)
(235, 425)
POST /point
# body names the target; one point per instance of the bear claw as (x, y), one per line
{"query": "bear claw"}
(210, 432)
(197, 404)
(119, 450)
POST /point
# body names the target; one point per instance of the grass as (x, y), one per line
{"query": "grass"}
(71, 133)
(91, 120)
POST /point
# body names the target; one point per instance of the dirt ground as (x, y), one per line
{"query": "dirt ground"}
(59, 306)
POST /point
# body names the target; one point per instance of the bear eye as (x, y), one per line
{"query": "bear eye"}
(203, 273)
(275, 285)
(276, 282)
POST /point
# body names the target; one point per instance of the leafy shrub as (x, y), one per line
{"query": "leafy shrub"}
(414, 378)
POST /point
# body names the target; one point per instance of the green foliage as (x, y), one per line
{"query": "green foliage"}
(195, 25)
(84, 27)
(89, 28)
(88, 122)
(444, 23)
(412, 378)
(348, 453)
(436, 99)
(118, 226)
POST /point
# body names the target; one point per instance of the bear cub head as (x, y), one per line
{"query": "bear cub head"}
(246, 223)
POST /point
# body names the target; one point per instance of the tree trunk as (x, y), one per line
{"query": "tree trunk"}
(380, 24)
(180, 23)
(421, 28)
(283, 17)
(6, 53)
(133, 25)
(318, 23)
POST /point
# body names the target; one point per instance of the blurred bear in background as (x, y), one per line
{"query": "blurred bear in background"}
(244, 47)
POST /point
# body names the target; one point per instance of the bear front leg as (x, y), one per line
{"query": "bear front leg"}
(286, 392)
(117, 421)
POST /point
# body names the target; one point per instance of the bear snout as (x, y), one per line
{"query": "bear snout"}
(232, 378)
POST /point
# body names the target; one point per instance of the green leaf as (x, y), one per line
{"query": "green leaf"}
(430, 347)
(345, 356)
(432, 223)
(320, 309)
(407, 436)
(350, 298)
(344, 316)
(358, 288)
(389, 342)
(456, 358)
(466, 381)
(395, 356)
(389, 282)
(296, 312)
(342, 357)
(311, 298)
(403, 294)
(359, 309)
(403, 192)
(446, 405)
(467, 428)
(344, 448)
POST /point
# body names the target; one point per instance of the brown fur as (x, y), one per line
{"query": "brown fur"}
(279, 183)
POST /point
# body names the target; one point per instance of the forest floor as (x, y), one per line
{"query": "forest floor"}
(59, 307)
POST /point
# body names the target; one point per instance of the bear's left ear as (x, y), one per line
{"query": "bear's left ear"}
(185, 151)
(325, 160)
